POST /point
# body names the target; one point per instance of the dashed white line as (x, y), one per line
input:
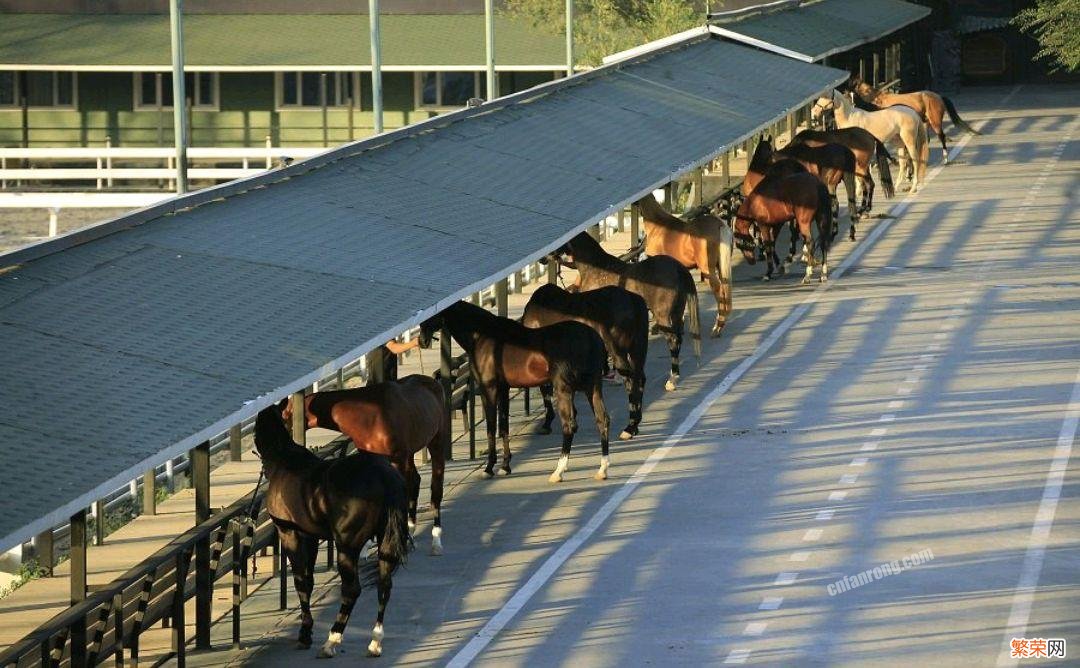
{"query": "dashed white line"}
(825, 515)
(801, 556)
(812, 535)
(786, 578)
(848, 479)
(755, 628)
(771, 603)
(888, 417)
(869, 446)
(738, 656)
(859, 461)
(837, 496)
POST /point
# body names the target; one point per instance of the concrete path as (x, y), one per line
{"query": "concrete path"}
(914, 412)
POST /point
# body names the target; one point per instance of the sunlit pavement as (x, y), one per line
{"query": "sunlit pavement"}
(913, 407)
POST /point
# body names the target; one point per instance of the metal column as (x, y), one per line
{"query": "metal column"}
(376, 65)
(204, 585)
(180, 131)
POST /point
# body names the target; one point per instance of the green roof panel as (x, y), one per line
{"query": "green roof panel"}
(813, 30)
(269, 41)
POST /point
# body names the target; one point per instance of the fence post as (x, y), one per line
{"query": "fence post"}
(725, 169)
(54, 223)
(237, 568)
(78, 585)
(635, 225)
(99, 522)
(108, 160)
(235, 443)
(269, 153)
(447, 379)
(299, 420)
(204, 586)
(45, 547)
(500, 297)
(149, 499)
(183, 562)
(699, 187)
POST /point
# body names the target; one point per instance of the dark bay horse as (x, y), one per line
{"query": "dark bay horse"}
(351, 500)
(776, 200)
(831, 163)
(666, 286)
(504, 353)
(703, 241)
(620, 317)
(931, 106)
(866, 148)
(395, 419)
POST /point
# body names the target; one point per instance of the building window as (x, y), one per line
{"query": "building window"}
(154, 90)
(443, 90)
(57, 90)
(303, 90)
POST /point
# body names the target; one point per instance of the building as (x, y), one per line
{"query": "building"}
(83, 72)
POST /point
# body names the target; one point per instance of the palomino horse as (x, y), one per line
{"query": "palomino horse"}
(504, 353)
(620, 317)
(775, 201)
(703, 241)
(865, 147)
(665, 285)
(931, 106)
(351, 500)
(395, 419)
(895, 123)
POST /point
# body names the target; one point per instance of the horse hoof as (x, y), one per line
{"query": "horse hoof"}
(806, 280)
(300, 644)
(504, 470)
(543, 429)
(436, 550)
(625, 436)
(374, 649)
(600, 475)
(717, 330)
(555, 477)
(487, 474)
(764, 278)
(325, 654)
(670, 385)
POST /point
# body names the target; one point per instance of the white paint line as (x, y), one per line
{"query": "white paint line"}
(825, 515)
(896, 404)
(738, 656)
(812, 535)
(869, 446)
(837, 496)
(1044, 522)
(903, 389)
(755, 628)
(801, 556)
(888, 417)
(848, 479)
(552, 564)
(771, 603)
(786, 578)
(859, 461)
(879, 431)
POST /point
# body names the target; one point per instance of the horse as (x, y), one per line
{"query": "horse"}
(504, 353)
(620, 317)
(762, 168)
(931, 106)
(351, 500)
(895, 123)
(865, 147)
(801, 197)
(665, 285)
(395, 419)
(704, 241)
(831, 163)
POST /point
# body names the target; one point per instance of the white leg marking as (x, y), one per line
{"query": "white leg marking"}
(329, 648)
(601, 473)
(436, 541)
(560, 468)
(374, 648)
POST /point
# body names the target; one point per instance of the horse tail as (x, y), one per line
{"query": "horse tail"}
(882, 150)
(883, 159)
(692, 305)
(824, 218)
(396, 540)
(954, 116)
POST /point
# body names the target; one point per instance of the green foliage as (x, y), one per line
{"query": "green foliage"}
(28, 570)
(1056, 24)
(604, 27)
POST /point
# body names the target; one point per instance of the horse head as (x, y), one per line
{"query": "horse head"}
(821, 105)
(272, 437)
(428, 329)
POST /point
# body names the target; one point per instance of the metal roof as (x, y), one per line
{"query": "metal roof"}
(812, 30)
(128, 343)
(268, 42)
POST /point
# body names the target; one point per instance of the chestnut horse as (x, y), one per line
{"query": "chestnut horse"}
(931, 106)
(350, 500)
(801, 197)
(666, 286)
(395, 419)
(620, 317)
(865, 147)
(703, 241)
(504, 353)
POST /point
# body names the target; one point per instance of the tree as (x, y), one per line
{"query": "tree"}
(1056, 24)
(604, 27)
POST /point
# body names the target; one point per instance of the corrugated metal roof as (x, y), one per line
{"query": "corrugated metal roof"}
(241, 41)
(129, 343)
(812, 30)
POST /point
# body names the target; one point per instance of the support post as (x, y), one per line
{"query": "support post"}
(149, 496)
(569, 38)
(204, 587)
(699, 186)
(78, 585)
(725, 169)
(45, 547)
(99, 522)
(325, 114)
(376, 365)
(635, 226)
(54, 221)
(183, 563)
(501, 290)
(180, 129)
(489, 45)
(447, 379)
(553, 271)
(299, 420)
(235, 443)
(877, 69)
(376, 65)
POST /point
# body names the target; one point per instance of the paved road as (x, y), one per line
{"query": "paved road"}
(917, 406)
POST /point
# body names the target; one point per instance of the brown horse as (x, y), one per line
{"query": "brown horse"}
(704, 242)
(350, 500)
(865, 147)
(931, 106)
(504, 353)
(801, 197)
(620, 317)
(831, 163)
(395, 419)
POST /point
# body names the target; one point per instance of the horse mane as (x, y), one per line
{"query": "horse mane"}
(488, 322)
(762, 157)
(860, 103)
(594, 254)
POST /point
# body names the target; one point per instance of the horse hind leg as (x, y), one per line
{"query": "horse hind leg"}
(350, 591)
(412, 485)
(504, 427)
(301, 551)
(564, 398)
(438, 471)
(549, 409)
(384, 584)
(490, 403)
(603, 425)
(674, 340)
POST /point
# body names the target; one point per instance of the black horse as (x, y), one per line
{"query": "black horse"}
(351, 499)
(620, 317)
(504, 353)
(666, 286)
